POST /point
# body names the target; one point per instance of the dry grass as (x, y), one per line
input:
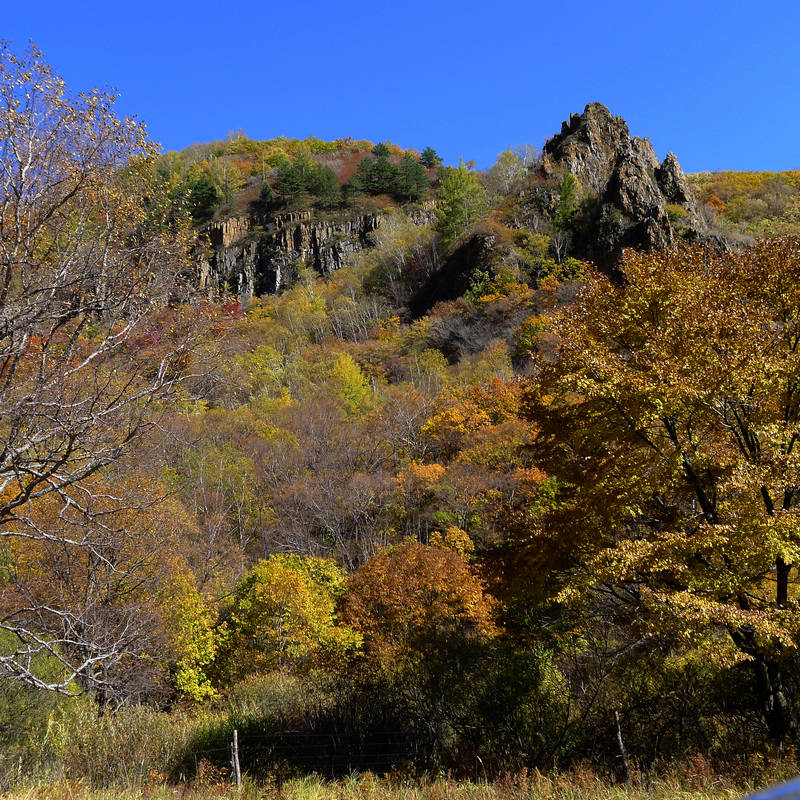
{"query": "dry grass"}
(577, 784)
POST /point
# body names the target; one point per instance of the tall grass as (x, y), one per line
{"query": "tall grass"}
(577, 784)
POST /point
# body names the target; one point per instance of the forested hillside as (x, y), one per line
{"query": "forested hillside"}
(390, 466)
(758, 204)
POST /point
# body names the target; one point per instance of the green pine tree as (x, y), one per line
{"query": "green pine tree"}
(460, 202)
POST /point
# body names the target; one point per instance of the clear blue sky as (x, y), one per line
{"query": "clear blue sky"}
(717, 83)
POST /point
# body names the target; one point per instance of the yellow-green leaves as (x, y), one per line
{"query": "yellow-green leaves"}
(283, 617)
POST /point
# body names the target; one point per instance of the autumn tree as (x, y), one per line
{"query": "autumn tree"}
(411, 597)
(91, 257)
(507, 170)
(122, 590)
(670, 416)
(427, 626)
(283, 617)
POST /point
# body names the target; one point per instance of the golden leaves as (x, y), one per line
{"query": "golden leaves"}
(670, 417)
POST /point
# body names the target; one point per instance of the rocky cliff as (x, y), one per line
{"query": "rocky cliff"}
(252, 255)
(261, 253)
(627, 198)
(630, 199)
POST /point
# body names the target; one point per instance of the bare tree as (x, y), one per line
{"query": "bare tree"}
(559, 245)
(91, 256)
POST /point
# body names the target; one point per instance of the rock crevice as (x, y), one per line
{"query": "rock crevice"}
(252, 255)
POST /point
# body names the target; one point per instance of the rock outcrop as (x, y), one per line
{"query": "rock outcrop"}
(629, 190)
(258, 254)
(627, 199)
(252, 255)
(455, 275)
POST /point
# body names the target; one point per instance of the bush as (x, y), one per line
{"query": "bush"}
(127, 748)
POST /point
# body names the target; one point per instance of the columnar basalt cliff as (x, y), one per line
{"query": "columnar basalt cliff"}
(252, 255)
(631, 191)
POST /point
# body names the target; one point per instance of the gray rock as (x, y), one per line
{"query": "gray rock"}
(251, 256)
(630, 189)
(260, 254)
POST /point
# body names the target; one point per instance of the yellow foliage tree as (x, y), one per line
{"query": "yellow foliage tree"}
(283, 617)
(670, 415)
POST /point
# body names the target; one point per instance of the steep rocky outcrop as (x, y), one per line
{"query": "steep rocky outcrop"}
(455, 275)
(252, 255)
(260, 253)
(627, 199)
(627, 191)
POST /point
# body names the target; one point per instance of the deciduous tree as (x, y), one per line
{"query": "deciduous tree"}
(670, 415)
(91, 255)
(283, 617)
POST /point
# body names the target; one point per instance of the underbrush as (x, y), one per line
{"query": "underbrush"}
(302, 738)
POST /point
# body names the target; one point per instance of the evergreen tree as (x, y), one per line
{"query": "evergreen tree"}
(202, 197)
(290, 181)
(297, 176)
(325, 185)
(567, 202)
(384, 176)
(266, 192)
(460, 202)
(412, 180)
(376, 175)
(381, 150)
(430, 158)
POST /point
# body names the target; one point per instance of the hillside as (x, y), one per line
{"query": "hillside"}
(757, 204)
(390, 467)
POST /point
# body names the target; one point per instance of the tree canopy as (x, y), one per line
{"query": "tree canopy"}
(460, 202)
(670, 416)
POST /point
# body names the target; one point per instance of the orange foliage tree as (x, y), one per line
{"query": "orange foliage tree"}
(412, 596)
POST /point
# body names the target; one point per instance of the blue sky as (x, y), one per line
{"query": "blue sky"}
(717, 83)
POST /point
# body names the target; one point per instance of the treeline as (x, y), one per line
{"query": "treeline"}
(302, 179)
(226, 177)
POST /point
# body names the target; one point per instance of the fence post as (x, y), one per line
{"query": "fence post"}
(237, 772)
(622, 751)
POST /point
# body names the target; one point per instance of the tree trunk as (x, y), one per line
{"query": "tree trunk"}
(773, 701)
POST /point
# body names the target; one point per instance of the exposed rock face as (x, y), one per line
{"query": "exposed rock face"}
(260, 254)
(676, 190)
(252, 255)
(590, 145)
(455, 276)
(629, 199)
(632, 189)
